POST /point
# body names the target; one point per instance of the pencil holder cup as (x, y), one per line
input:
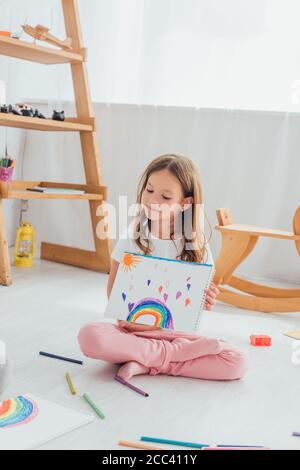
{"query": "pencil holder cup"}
(6, 174)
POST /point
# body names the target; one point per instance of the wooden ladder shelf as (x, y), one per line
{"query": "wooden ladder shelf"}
(84, 123)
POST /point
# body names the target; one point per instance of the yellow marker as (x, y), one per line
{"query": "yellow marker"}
(137, 445)
(70, 383)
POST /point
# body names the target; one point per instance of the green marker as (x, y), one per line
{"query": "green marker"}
(93, 406)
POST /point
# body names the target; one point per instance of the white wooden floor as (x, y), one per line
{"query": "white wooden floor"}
(46, 306)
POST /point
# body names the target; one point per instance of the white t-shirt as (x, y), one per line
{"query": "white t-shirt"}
(162, 248)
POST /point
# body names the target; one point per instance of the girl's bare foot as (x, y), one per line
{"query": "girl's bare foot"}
(132, 368)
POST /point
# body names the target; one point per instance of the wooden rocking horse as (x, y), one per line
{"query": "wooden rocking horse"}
(238, 241)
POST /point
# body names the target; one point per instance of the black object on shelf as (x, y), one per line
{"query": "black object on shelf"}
(27, 112)
(58, 115)
(21, 109)
(4, 109)
(38, 114)
(15, 110)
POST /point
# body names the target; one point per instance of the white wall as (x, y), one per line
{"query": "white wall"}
(240, 54)
(249, 161)
(198, 53)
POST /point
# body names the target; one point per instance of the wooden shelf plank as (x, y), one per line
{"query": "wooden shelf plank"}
(35, 53)
(35, 195)
(24, 122)
(17, 190)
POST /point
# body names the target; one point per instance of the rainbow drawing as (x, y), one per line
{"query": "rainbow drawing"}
(154, 307)
(17, 411)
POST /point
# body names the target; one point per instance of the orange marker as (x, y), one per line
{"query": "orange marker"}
(138, 445)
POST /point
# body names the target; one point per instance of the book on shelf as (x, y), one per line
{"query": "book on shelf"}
(46, 190)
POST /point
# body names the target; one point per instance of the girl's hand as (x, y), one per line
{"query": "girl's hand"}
(211, 296)
(135, 326)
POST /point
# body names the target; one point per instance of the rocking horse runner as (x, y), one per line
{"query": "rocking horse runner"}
(238, 241)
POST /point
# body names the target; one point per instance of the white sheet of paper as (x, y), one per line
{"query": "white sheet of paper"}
(148, 289)
(50, 421)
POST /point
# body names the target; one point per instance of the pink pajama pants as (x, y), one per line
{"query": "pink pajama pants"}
(161, 352)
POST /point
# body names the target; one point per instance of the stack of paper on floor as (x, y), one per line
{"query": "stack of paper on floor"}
(159, 292)
(295, 334)
(28, 421)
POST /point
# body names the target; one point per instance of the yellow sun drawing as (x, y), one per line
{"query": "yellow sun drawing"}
(129, 262)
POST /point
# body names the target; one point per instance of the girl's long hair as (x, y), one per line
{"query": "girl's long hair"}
(194, 239)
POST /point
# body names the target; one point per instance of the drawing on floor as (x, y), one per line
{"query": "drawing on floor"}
(17, 411)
